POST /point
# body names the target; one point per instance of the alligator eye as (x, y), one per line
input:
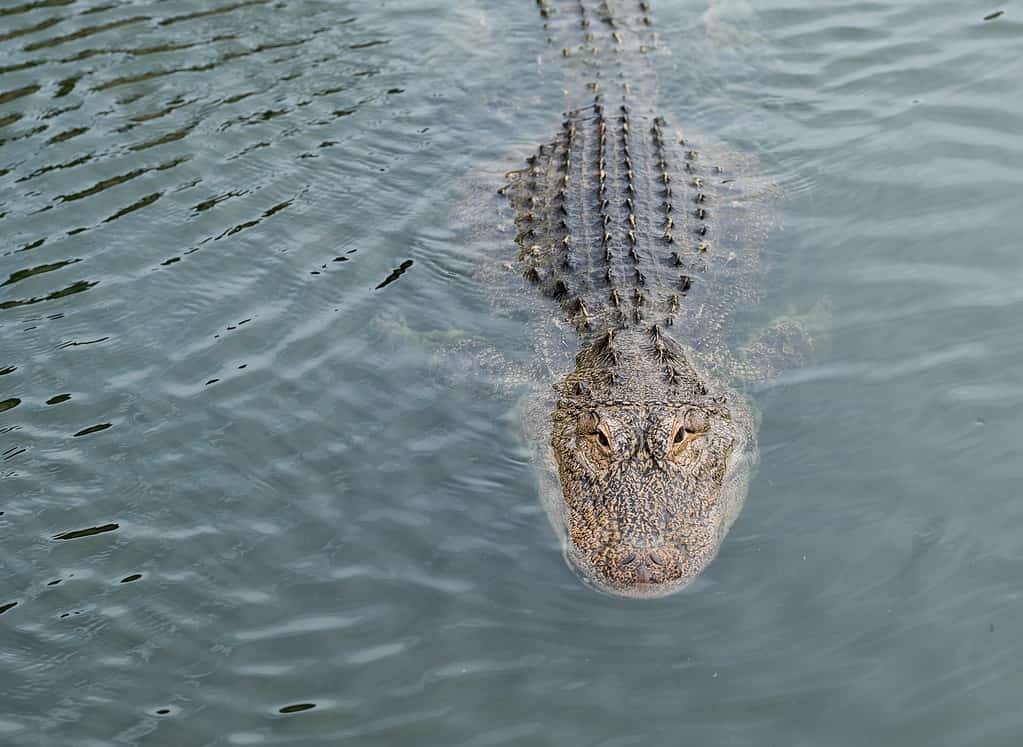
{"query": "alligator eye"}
(689, 428)
(589, 425)
(603, 437)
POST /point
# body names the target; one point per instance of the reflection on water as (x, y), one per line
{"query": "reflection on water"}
(241, 502)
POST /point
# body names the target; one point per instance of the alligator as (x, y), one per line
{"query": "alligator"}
(653, 443)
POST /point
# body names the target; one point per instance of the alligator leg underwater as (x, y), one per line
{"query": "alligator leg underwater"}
(789, 342)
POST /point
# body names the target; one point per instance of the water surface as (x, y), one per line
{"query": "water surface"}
(240, 502)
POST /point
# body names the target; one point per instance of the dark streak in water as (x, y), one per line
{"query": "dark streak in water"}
(37, 270)
(9, 404)
(993, 16)
(214, 11)
(138, 204)
(262, 48)
(5, 607)
(132, 577)
(41, 26)
(60, 137)
(214, 201)
(31, 245)
(105, 184)
(263, 116)
(249, 149)
(367, 45)
(250, 223)
(51, 113)
(58, 399)
(99, 9)
(9, 369)
(23, 135)
(172, 106)
(142, 51)
(130, 98)
(153, 74)
(238, 228)
(276, 208)
(27, 65)
(297, 708)
(67, 86)
(119, 179)
(396, 273)
(33, 6)
(234, 99)
(92, 429)
(82, 33)
(79, 287)
(170, 137)
(79, 533)
(17, 93)
(329, 91)
(76, 344)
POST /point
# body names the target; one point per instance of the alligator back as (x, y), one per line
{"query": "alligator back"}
(621, 217)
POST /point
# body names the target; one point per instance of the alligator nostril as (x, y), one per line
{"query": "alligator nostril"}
(656, 557)
(627, 559)
(642, 574)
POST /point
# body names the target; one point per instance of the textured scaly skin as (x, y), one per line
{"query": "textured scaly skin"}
(654, 451)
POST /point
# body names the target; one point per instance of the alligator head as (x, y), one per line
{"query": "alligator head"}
(651, 479)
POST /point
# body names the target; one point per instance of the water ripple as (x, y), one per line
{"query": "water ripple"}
(244, 503)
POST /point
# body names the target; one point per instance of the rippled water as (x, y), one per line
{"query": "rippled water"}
(242, 504)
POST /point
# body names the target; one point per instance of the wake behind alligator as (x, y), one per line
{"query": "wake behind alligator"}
(653, 446)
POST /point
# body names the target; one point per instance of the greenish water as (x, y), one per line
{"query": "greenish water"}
(232, 486)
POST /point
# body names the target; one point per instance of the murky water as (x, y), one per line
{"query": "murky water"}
(240, 502)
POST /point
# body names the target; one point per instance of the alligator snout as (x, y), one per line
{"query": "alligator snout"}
(648, 564)
(639, 568)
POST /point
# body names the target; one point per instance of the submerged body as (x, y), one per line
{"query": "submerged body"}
(653, 448)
